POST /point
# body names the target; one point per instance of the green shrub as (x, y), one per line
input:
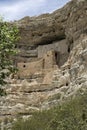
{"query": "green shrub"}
(71, 115)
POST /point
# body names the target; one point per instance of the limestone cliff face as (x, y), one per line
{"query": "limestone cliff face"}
(38, 34)
(52, 61)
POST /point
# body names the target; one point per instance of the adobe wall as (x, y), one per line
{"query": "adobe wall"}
(29, 68)
(45, 63)
(49, 60)
(60, 46)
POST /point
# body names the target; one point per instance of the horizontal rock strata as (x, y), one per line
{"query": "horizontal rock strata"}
(52, 61)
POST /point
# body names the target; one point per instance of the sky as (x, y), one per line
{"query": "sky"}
(16, 9)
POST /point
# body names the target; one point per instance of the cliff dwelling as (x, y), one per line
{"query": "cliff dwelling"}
(44, 57)
(52, 65)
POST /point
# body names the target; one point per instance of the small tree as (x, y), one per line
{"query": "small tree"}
(8, 38)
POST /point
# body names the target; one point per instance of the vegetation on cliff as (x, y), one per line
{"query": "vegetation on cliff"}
(8, 38)
(71, 115)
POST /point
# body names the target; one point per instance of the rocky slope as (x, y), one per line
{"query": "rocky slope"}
(52, 61)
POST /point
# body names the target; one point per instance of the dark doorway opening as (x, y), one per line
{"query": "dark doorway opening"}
(43, 63)
(69, 49)
(24, 66)
(57, 58)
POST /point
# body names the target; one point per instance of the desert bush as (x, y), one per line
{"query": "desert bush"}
(71, 115)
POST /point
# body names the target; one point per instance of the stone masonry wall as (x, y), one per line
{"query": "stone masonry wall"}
(29, 68)
(59, 46)
(47, 62)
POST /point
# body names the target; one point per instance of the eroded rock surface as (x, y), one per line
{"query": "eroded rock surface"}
(52, 61)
